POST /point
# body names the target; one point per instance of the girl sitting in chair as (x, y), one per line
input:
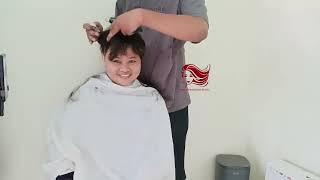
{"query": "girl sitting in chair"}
(113, 127)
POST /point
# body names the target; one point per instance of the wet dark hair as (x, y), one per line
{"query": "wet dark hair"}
(119, 44)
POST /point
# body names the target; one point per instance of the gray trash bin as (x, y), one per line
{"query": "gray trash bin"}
(231, 167)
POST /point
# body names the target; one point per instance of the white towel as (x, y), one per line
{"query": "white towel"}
(112, 132)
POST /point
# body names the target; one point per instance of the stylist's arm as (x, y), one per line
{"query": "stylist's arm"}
(182, 27)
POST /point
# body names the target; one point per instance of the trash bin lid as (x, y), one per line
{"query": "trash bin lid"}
(232, 161)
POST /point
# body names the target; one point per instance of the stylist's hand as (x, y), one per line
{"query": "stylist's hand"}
(127, 23)
(93, 32)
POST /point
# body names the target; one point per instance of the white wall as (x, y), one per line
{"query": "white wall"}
(218, 118)
(284, 85)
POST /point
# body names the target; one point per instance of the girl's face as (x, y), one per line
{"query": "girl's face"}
(189, 77)
(123, 69)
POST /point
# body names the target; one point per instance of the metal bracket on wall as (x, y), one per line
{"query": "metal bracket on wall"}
(4, 87)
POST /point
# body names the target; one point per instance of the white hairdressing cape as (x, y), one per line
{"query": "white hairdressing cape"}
(110, 132)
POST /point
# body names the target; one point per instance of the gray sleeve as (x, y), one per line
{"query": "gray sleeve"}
(119, 8)
(195, 8)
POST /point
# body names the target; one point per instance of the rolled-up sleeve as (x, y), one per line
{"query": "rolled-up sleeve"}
(196, 8)
(119, 8)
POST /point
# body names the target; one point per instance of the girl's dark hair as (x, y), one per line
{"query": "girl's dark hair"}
(119, 44)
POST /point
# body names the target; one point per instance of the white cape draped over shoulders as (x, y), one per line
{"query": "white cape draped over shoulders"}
(110, 132)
